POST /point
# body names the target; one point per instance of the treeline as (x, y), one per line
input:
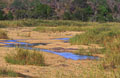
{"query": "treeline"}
(84, 10)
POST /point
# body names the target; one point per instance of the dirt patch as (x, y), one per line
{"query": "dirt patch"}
(59, 49)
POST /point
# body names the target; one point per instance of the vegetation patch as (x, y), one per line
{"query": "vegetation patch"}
(9, 73)
(90, 51)
(3, 35)
(57, 29)
(97, 35)
(25, 57)
(52, 23)
(109, 38)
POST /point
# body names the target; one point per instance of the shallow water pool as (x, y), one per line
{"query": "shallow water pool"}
(67, 55)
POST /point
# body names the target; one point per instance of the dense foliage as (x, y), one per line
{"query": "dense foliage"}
(84, 10)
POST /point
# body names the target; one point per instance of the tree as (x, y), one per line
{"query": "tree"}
(82, 11)
(20, 14)
(10, 16)
(1, 15)
(2, 4)
(42, 11)
(17, 4)
(67, 16)
(80, 3)
(104, 14)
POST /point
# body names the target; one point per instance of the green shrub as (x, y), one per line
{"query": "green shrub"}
(25, 57)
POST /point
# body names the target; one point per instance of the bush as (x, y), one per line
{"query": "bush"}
(1, 15)
(25, 57)
(10, 16)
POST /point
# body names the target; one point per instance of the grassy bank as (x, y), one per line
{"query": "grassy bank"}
(51, 23)
(107, 37)
(97, 35)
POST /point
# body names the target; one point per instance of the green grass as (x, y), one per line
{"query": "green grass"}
(51, 23)
(96, 35)
(105, 36)
(4, 72)
(112, 58)
(7, 73)
(25, 57)
(58, 29)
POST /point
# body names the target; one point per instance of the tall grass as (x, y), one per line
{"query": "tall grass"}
(108, 37)
(7, 73)
(25, 57)
(97, 35)
(112, 58)
(51, 23)
(58, 29)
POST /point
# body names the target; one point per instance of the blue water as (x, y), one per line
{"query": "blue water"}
(65, 39)
(67, 55)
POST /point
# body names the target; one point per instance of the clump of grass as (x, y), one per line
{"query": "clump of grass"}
(2, 26)
(25, 57)
(3, 35)
(7, 73)
(4, 72)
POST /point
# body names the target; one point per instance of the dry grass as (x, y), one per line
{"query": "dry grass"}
(105, 34)
(3, 35)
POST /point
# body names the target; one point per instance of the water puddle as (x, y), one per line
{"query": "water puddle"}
(66, 40)
(67, 55)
